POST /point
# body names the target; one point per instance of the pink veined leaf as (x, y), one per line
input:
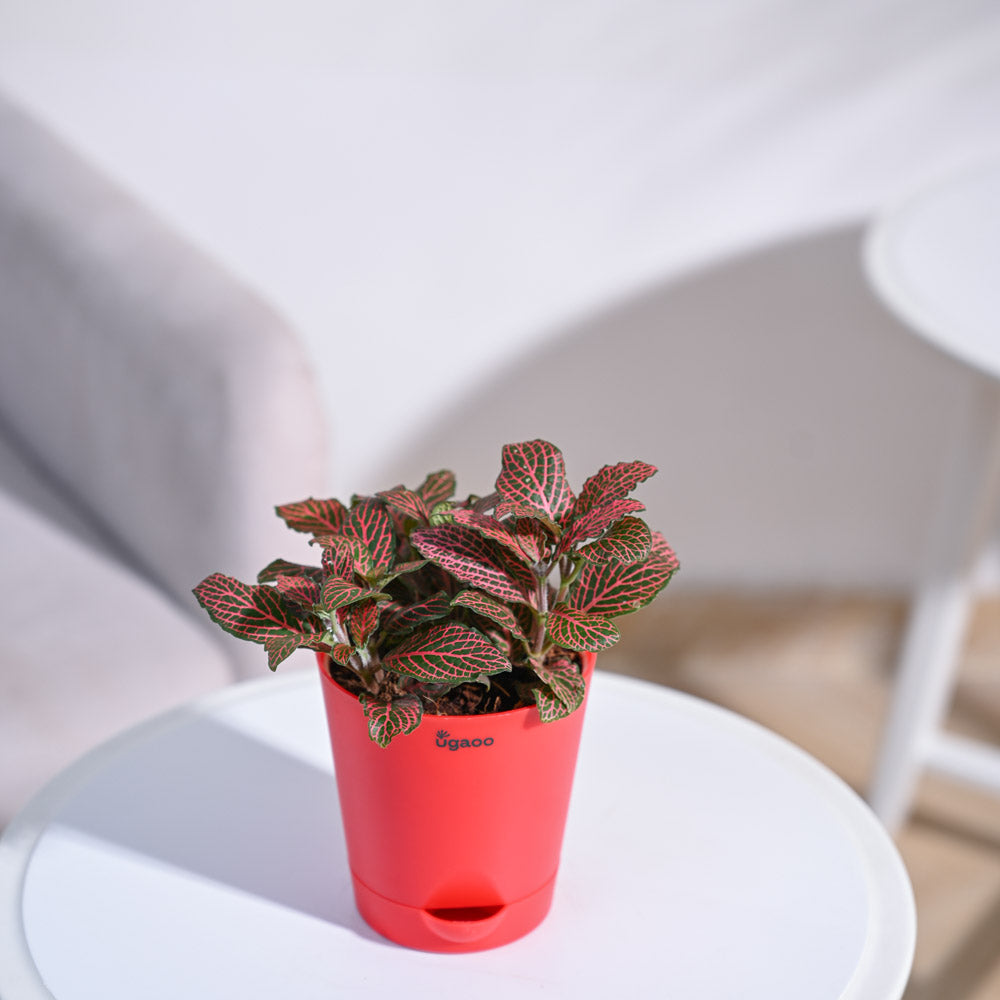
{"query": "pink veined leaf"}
(282, 567)
(371, 524)
(488, 607)
(573, 629)
(534, 473)
(387, 720)
(280, 647)
(316, 517)
(597, 520)
(342, 653)
(254, 612)
(410, 503)
(301, 589)
(517, 512)
(339, 555)
(408, 618)
(339, 593)
(564, 691)
(514, 541)
(470, 558)
(400, 568)
(437, 487)
(447, 652)
(610, 589)
(628, 541)
(611, 483)
(362, 620)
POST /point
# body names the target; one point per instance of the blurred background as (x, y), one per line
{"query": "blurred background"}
(632, 228)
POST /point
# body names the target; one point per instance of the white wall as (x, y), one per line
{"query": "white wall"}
(482, 215)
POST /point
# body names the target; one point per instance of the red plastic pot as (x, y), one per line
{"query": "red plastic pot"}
(454, 831)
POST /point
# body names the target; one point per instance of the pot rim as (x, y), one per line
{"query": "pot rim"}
(587, 669)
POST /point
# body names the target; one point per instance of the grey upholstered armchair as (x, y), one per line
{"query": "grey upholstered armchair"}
(152, 413)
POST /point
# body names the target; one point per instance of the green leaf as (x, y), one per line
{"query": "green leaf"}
(614, 589)
(563, 692)
(280, 647)
(345, 555)
(387, 720)
(573, 629)
(400, 568)
(317, 517)
(629, 541)
(282, 567)
(407, 502)
(488, 607)
(612, 482)
(521, 543)
(362, 620)
(470, 558)
(597, 520)
(437, 487)
(342, 653)
(339, 593)
(447, 652)
(371, 524)
(254, 612)
(409, 618)
(534, 473)
(301, 589)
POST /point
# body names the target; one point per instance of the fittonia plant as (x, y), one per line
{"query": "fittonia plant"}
(427, 603)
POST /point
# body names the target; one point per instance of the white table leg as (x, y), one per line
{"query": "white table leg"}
(939, 617)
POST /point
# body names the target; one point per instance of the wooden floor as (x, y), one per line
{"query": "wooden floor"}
(817, 669)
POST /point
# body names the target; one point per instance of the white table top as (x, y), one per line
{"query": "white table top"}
(201, 856)
(934, 258)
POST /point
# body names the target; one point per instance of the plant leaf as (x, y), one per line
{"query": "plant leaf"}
(448, 652)
(564, 691)
(612, 482)
(317, 517)
(598, 520)
(282, 567)
(409, 618)
(437, 487)
(400, 568)
(470, 558)
(338, 555)
(521, 544)
(362, 620)
(303, 590)
(525, 512)
(387, 720)
(254, 612)
(339, 593)
(534, 473)
(629, 541)
(573, 629)
(280, 647)
(342, 653)
(410, 503)
(488, 607)
(371, 524)
(614, 589)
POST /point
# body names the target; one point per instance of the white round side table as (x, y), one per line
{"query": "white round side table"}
(934, 260)
(201, 856)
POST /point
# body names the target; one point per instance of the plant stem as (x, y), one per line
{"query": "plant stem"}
(483, 504)
(543, 607)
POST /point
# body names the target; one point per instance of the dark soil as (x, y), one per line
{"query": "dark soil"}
(506, 692)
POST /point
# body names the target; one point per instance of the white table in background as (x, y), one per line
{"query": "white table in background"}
(934, 260)
(201, 856)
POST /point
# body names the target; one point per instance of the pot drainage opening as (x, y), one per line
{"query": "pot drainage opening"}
(464, 914)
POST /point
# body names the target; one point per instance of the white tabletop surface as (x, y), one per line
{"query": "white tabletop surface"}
(935, 260)
(201, 856)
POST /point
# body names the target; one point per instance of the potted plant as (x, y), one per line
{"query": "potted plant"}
(455, 639)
